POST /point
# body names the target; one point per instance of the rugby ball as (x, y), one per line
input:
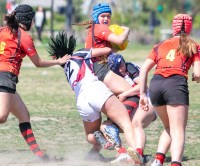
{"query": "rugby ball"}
(118, 30)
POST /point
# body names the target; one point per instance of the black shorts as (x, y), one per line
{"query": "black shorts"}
(100, 70)
(172, 90)
(8, 82)
(131, 104)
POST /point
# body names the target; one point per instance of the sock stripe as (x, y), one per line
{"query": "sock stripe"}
(29, 137)
(36, 149)
(27, 133)
(32, 143)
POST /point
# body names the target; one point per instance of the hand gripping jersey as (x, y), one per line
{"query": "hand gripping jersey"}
(91, 94)
(79, 70)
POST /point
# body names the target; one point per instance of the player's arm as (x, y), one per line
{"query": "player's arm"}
(196, 71)
(119, 39)
(100, 51)
(131, 92)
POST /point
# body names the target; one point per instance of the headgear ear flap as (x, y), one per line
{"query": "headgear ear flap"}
(24, 14)
(98, 9)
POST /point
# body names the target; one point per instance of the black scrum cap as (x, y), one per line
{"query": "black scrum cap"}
(25, 14)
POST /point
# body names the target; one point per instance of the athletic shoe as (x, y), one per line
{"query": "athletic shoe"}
(96, 156)
(122, 157)
(101, 140)
(148, 159)
(112, 134)
(47, 158)
(138, 159)
(156, 162)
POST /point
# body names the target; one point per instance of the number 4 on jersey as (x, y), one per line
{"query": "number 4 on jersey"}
(171, 55)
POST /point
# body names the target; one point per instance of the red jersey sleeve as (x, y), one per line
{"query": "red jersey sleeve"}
(99, 38)
(152, 55)
(27, 44)
(102, 31)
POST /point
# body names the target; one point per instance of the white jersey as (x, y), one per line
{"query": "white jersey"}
(79, 70)
(91, 94)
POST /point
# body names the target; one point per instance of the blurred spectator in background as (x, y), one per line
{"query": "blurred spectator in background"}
(10, 6)
(153, 22)
(40, 20)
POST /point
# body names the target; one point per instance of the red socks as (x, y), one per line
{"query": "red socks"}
(140, 151)
(121, 150)
(28, 135)
(160, 157)
(175, 163)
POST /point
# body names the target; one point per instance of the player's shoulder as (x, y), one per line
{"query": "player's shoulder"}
(82, 52)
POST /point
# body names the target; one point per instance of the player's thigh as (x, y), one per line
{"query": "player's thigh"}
(91, 127)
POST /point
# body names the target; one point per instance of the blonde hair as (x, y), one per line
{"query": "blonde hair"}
(186, 45)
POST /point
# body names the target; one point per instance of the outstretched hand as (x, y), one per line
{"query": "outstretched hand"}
(64, 59)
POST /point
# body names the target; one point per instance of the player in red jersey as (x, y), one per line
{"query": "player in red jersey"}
(15, 44)
(99, 35)
(169, 87)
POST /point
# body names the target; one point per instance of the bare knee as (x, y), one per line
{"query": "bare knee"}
(137, 124)
(3, 119)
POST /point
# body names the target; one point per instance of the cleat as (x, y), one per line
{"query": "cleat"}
(47, 158)
(122, 157)
(112, 134)
(148, 159)
(138, 159)
(156, 162)
(101, 140)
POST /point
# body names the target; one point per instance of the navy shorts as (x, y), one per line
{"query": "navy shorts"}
(100, 70)
(172, 90)
(8, 82)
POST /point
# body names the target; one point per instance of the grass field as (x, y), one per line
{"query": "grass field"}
(58, 126)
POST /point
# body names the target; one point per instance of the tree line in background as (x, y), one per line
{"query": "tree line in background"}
(140, 15)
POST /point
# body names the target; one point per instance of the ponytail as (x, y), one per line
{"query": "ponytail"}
(11, 22)
(186, 45)
(85, 23)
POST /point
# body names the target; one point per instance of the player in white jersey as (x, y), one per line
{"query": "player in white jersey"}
(92, 96)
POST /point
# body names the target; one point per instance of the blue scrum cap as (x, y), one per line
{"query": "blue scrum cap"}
(98, 9)
(114, 61)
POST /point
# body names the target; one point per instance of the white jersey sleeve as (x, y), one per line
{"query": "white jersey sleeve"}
(79, 70)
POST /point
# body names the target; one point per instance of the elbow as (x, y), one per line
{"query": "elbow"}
(121, 41)
(196, 77)
(37, 65)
